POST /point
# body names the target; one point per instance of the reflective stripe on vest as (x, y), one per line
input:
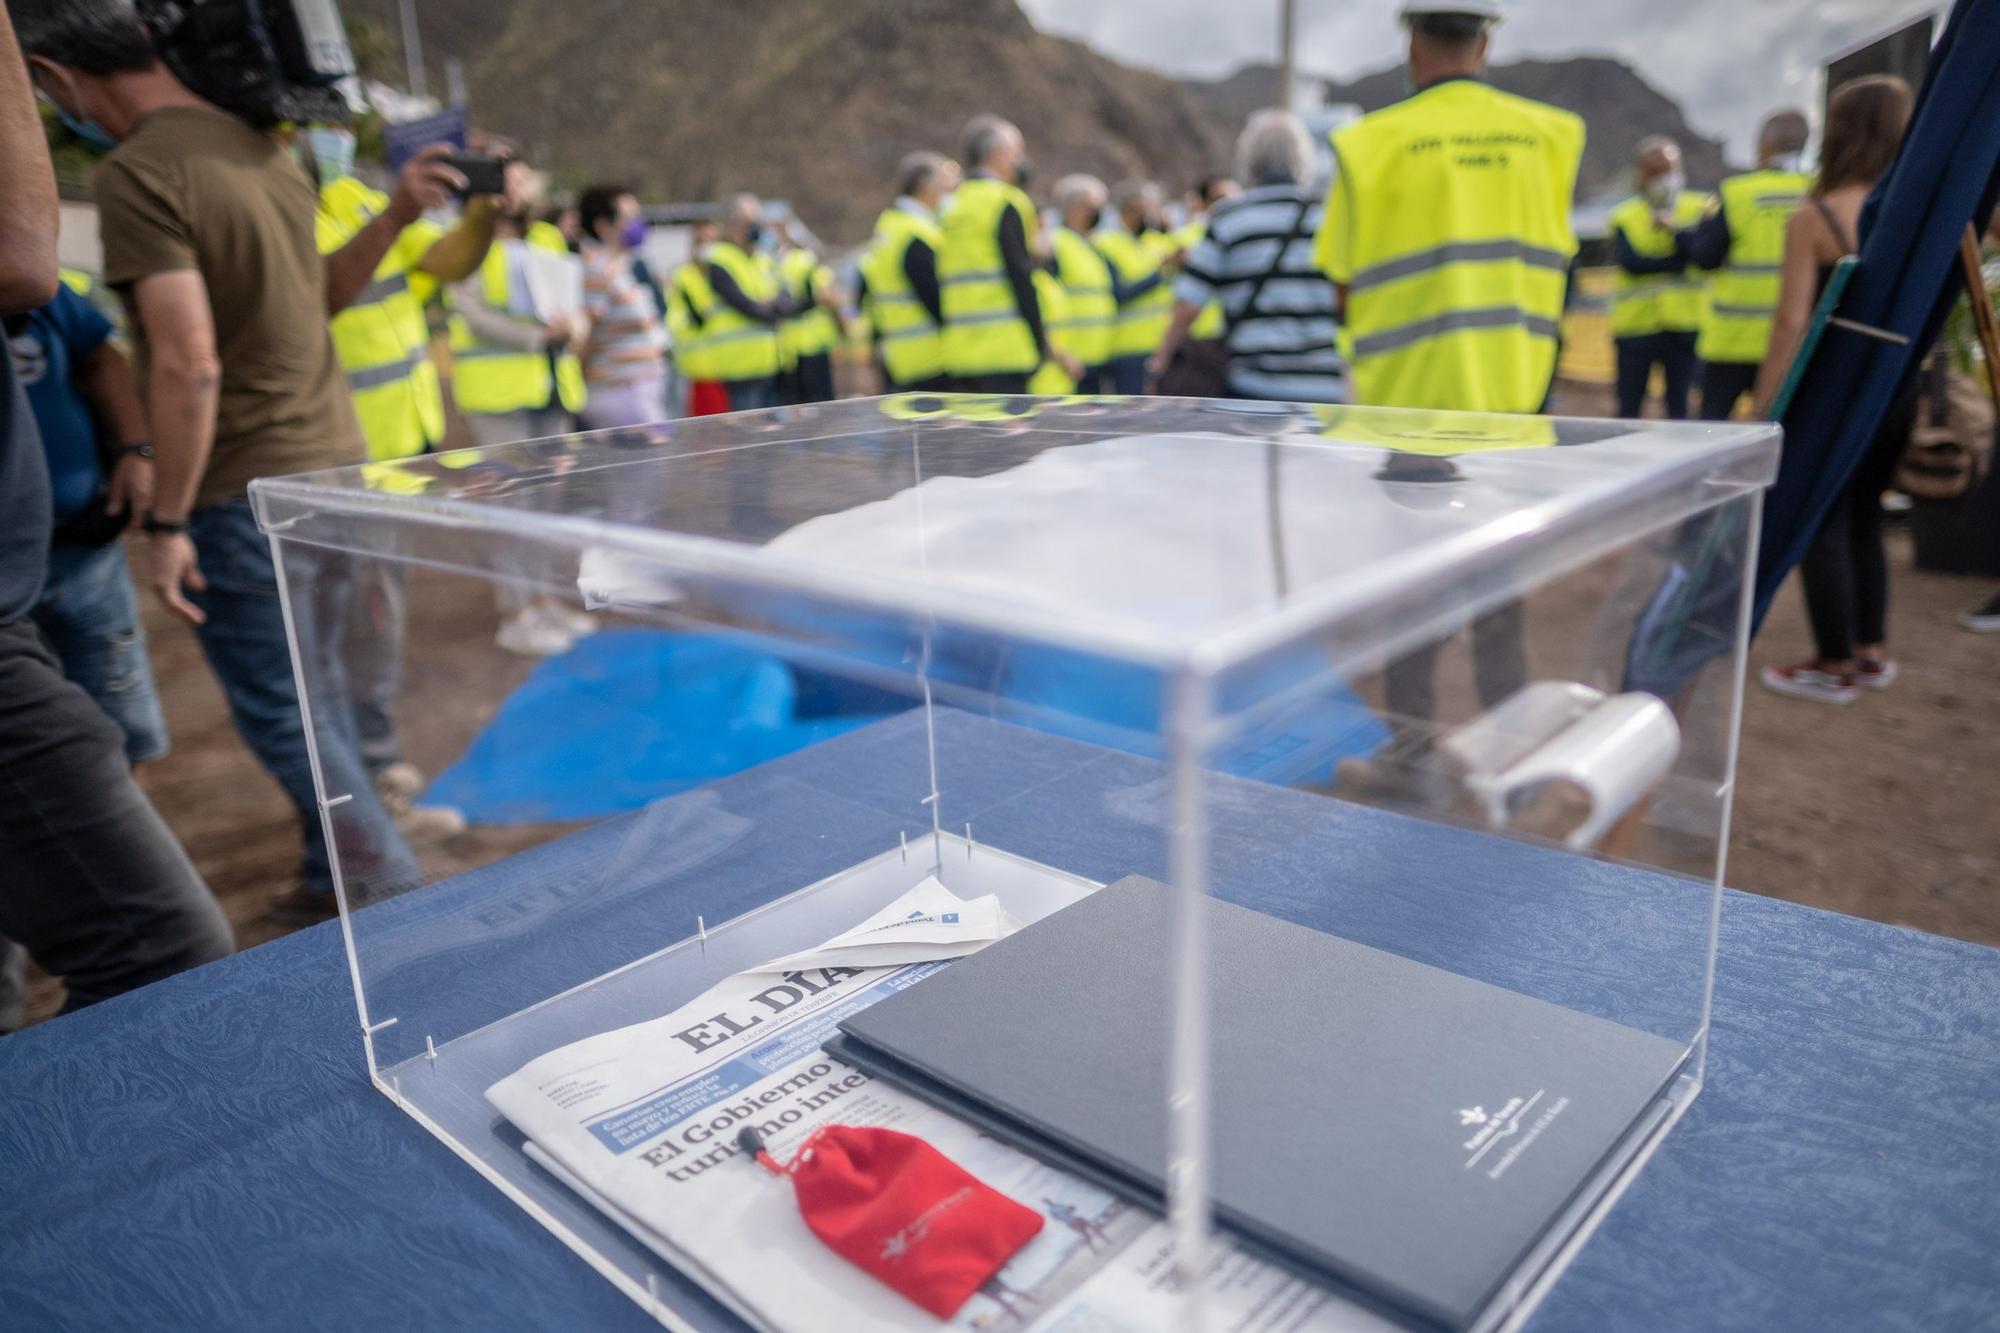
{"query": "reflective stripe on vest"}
(1742, 296)
(1450, 214)
(741, 348)
(984, 333)
(911, 342)
(381, 337)
(1647, 303)
(491, 378)
(813, 333)
(1090, 309)
(1141, 322)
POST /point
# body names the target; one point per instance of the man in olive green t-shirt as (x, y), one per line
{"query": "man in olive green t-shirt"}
(208, 238)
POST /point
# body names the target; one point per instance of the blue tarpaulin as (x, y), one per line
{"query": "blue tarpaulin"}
(630, 716)
(624, 718)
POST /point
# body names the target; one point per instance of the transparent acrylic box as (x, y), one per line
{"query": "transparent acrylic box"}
(1461, 690)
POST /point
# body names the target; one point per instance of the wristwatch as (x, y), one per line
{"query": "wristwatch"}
(141, 448)
(156, 525)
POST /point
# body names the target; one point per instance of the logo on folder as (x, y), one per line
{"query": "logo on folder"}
(1500, 1137)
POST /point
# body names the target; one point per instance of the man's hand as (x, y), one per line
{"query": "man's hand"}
(560, 330)
(131, 488)
(175, 570)
(426, 182)
(1070, 365)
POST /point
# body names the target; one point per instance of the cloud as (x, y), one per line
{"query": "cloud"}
(1726, 62)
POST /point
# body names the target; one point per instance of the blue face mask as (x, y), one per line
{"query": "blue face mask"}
(89, 131)
(332, 152)
(634, 234)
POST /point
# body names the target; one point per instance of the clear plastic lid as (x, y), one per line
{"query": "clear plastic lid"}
(1181, 536)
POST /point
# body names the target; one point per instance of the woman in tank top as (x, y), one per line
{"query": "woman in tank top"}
(1845, 571)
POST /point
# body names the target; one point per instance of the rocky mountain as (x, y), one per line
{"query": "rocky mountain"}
(809, 100)
(1617, 104)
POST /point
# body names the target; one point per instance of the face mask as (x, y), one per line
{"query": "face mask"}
(1787, 161)
(332, 152)
(634, 234)
(753, 235)
(89, 131)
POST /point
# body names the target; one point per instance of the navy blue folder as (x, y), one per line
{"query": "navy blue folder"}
(1396, 1130)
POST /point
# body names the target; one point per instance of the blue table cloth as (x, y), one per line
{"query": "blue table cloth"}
(207, 1153)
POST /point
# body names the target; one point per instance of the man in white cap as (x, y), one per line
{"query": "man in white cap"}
(1447, 236)
(1447, 228)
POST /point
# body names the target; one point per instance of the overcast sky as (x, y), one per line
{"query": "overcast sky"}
(1725, 61)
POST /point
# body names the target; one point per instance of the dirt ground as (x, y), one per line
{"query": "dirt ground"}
(1883, 809)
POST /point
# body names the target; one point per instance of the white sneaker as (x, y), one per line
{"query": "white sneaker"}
(399, 785)
(1877, 675)
(427, 823)
(401, 778)
(580, 624)
(1986, 620)
(1808, 681)
(529, 632)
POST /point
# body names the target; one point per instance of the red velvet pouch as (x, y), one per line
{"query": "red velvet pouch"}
(899, 1209)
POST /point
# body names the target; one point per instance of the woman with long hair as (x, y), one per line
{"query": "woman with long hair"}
(1846, 570)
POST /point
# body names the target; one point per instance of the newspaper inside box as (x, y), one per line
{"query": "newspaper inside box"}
(1459, 691)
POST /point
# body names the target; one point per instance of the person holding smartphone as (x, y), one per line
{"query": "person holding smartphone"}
(207, 225)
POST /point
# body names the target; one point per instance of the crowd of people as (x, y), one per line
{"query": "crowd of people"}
(281, 317)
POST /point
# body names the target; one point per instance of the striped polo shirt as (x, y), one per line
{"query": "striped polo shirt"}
(1285, 350)
(627, 342)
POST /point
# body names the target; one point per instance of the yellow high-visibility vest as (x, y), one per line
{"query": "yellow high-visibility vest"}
(742, 348)
(1207, 326)
(1434, 434)
(77, 281)
(813, 333)
(381, 338)
(547, 236)
(1049, 377)
(689, 301)
(1142, 322)
(912, 343)
(1089, 309)
(493, 377)
(984, 333)
(1643, 303)
(1742, 297)
(1448, 223)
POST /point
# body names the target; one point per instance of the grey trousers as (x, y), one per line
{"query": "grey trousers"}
(92, 883)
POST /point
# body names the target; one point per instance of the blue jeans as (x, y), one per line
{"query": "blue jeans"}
(244, 641)
(751, 395)
(90, 618)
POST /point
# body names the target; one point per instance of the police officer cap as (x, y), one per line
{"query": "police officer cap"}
(1483, 9)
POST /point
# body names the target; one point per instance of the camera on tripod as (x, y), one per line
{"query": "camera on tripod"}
(267, 61)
